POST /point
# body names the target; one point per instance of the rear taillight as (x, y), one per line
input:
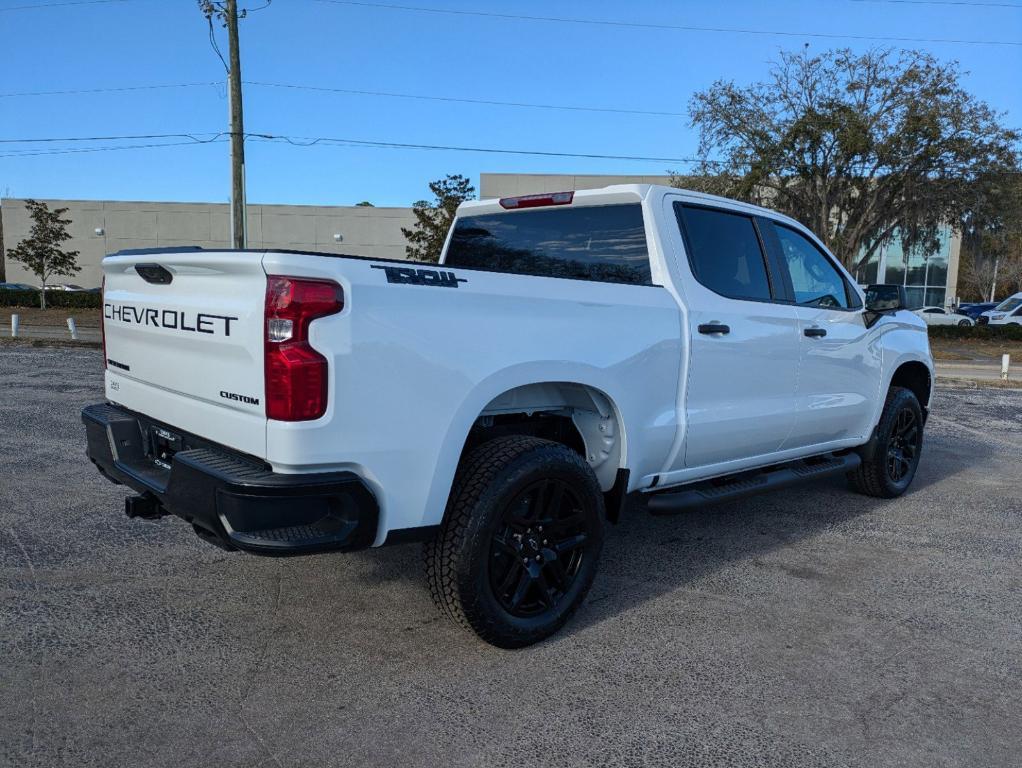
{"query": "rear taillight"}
(537, 201)
(296, 374)
(102, 313)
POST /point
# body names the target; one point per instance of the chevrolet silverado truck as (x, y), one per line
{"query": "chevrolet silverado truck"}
(569, 352)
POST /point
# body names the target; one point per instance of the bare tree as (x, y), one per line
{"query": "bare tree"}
(991, 255)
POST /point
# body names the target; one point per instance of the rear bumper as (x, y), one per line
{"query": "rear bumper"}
(231, 500)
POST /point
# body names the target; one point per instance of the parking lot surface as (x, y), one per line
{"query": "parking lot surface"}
(809, 627)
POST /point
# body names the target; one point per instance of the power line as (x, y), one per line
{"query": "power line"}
(115, 89)
(460, 100)
(194, 137)
(309, 141)
(214, 46)
(36, 6)
(356, 92)
(36, 153)
(335, 141)
(945, 2)
(671, 27)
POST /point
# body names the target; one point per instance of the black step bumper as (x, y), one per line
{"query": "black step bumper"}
(232, 500)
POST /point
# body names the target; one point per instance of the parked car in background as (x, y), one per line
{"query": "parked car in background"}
(66, 287)
(1008, 311)
(17, 287)
(1013, 317)
(975, 309)
(941, 316)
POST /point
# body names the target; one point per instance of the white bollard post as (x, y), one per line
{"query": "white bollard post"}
(73, 328)
(15, 322)
(1005, 363)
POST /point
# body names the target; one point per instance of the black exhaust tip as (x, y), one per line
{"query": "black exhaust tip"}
(145, 506)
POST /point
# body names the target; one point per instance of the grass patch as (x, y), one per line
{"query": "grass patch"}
(984, 350)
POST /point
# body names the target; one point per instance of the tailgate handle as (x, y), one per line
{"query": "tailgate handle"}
(154, 273)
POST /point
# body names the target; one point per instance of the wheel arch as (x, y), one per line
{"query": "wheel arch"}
(533, 391)
(581, 416)
(916, 377)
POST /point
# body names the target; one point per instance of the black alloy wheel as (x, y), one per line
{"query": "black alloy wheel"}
(890, 459)
(538, 548)
(903, 446)
(520, 542)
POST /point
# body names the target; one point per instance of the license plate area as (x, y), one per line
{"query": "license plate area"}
(163, 444)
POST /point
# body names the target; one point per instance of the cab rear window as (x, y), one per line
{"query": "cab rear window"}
(603, 243)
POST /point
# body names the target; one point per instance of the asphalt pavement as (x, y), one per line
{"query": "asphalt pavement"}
(808, 627)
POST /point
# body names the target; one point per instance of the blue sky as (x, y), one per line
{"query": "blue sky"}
(128, 43)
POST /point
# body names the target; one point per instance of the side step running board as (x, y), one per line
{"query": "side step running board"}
(744, 484)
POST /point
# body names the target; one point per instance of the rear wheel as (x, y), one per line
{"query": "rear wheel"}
(519, 545)
(889, 470)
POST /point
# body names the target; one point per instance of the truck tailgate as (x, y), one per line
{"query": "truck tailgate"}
(184, 341)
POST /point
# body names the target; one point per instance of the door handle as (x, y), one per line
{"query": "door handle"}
(711, 328)
(815, 332)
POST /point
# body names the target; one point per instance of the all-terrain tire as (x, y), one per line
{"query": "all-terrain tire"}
(495, 483)
(875, 476)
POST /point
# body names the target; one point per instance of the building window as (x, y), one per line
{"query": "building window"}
(935, 297)
(923, 275)
(867, 273)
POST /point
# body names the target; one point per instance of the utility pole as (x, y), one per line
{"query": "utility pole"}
(3, 268)
(239, 224)
(993, 283)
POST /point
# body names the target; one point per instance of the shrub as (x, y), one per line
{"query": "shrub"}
(67, 299)
(977, 332)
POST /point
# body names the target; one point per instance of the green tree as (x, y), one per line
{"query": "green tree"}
(861, 148)
(433, 219)
(41, 251)
(364, 204)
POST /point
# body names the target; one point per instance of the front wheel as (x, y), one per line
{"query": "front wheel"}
(888, 471)
(964, 323)
(519, 545)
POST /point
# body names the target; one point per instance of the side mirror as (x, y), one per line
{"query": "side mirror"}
(886, 298)
(882, 298)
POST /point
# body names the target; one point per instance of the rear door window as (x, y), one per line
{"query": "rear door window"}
(605, 243)
(725, 252)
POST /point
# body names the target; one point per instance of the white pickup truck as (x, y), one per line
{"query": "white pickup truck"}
(569, 351)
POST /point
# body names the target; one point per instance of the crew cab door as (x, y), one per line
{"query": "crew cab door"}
(840, 364)
(741, 388)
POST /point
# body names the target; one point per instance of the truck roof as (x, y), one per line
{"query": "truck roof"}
(628, 193)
